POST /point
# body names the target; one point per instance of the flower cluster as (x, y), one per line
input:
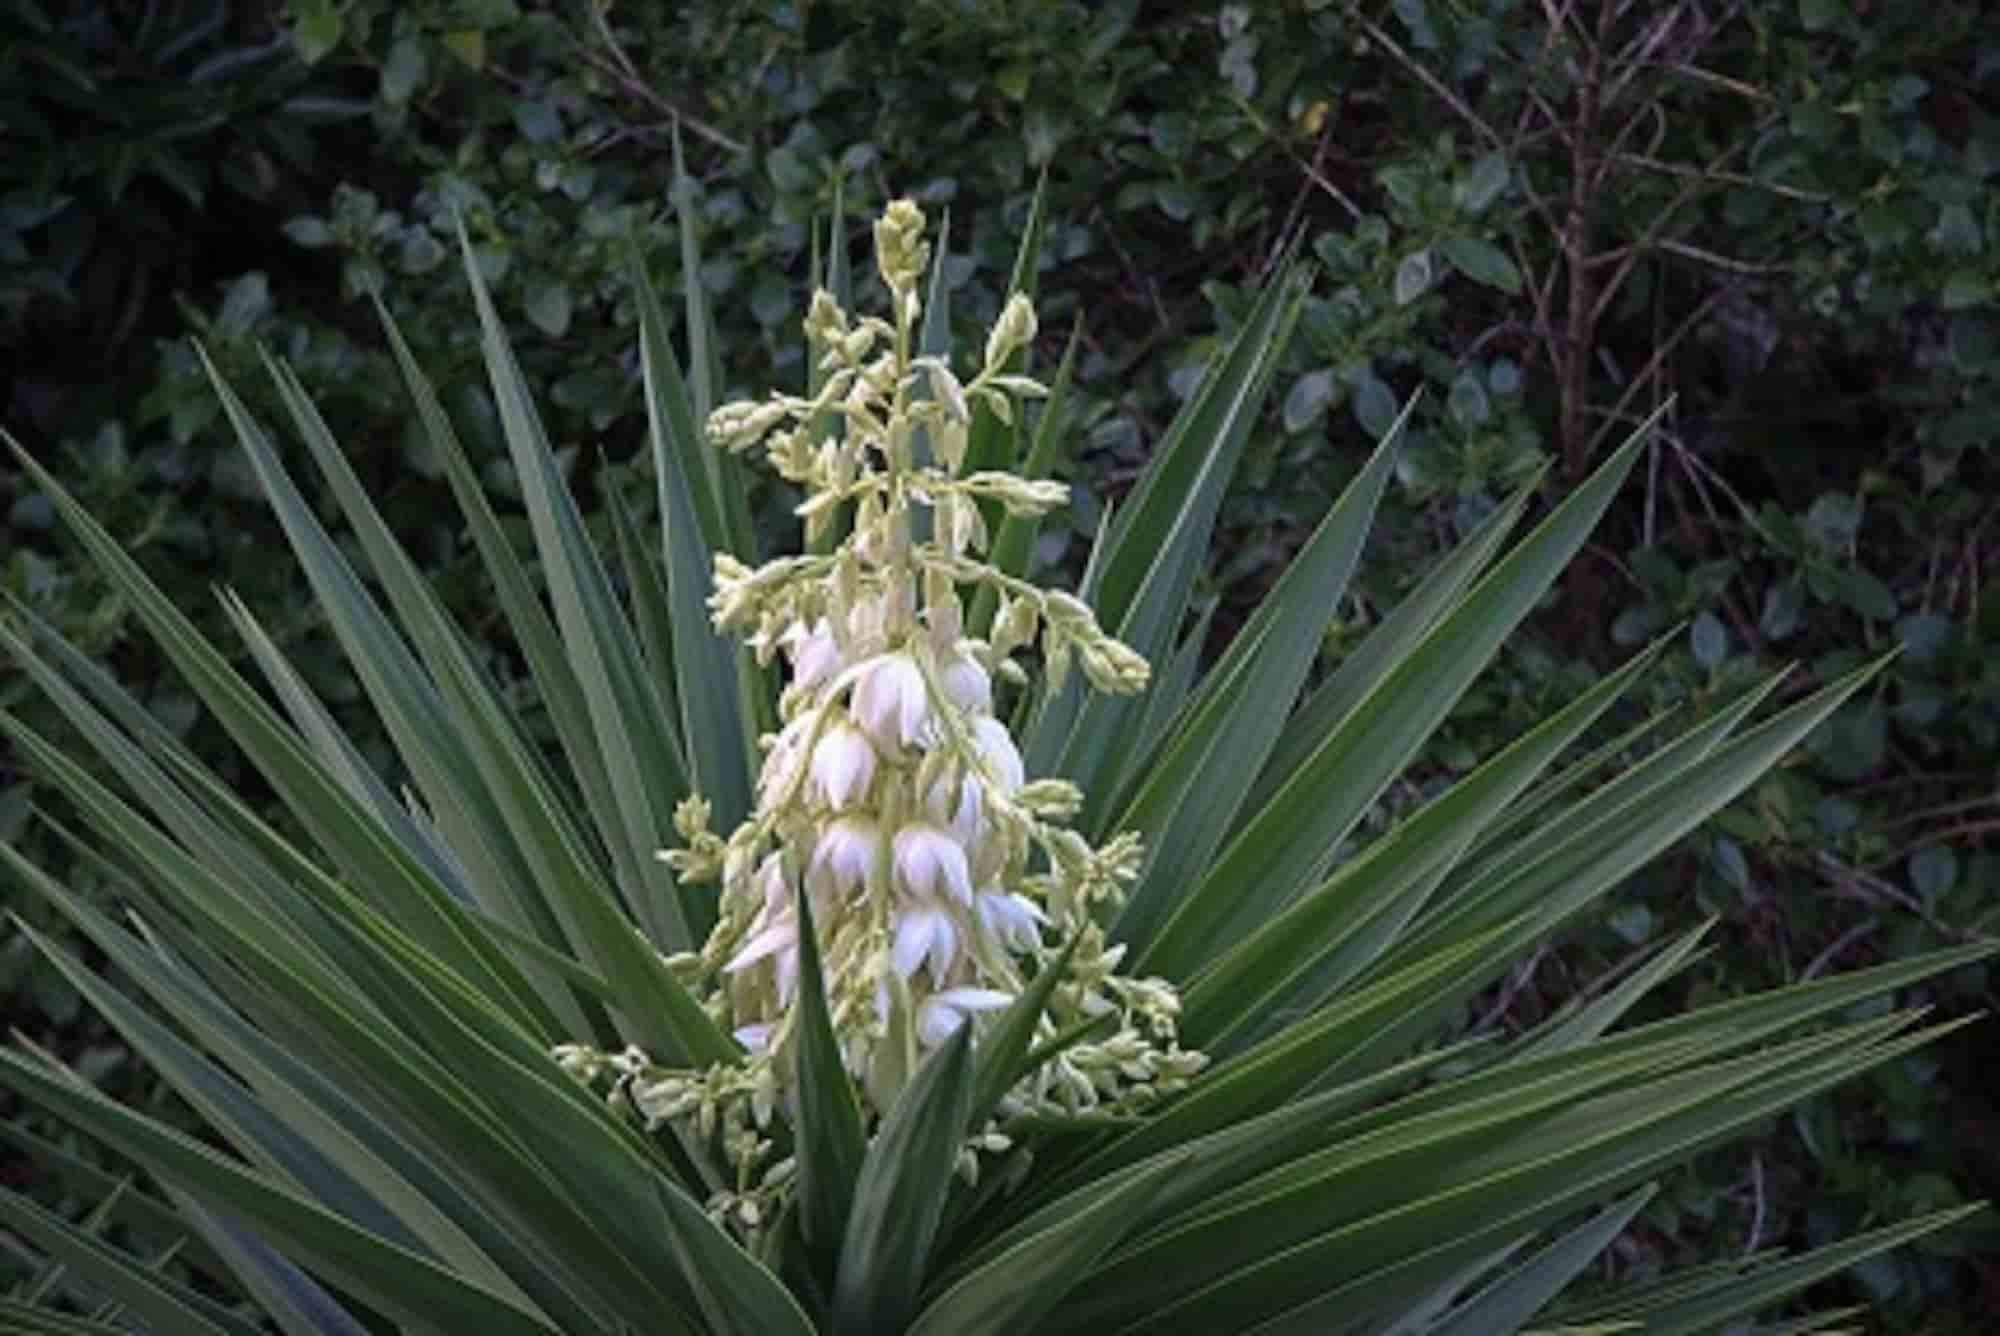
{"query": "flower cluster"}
(893, 801)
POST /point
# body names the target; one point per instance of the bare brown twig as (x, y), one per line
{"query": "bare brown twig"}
(614, 64)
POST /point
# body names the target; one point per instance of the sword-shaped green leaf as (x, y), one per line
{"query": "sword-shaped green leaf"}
(831, 1139)
(900, 1193)
(714, 680)
(1284, 846)
(397, 1281)
(1236, 715)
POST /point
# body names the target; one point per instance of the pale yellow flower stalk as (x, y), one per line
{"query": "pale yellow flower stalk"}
(940, 877)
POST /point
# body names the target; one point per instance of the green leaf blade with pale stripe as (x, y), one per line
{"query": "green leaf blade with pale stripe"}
(1283, 845)
(832, 1139)
(1149, 553)
(1238, 712)
(639, 741)
(1018, 1289)
(397, 1281)
(712, 682)
(899, 1195)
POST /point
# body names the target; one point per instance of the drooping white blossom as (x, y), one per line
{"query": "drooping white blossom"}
(891, 700)
(844, 856)
(1002, 757)
(1012, 918)
(930, 864)
(925, 931)
(815, 654)
(967, 685)
(943, 1012)
(843, 765)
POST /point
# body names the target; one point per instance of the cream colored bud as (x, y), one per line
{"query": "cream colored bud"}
(1025, 386)
(1112, 665)
(942, 610)
(976, 536)
(1068, 850)
(877, 378)
(900, 252)
(958, 523)
(855, 346)
(1066, 610)
(903, 220)
(816, 504)
(831, 393)
(1021, 496)
(691, 816)
(1020, 620)
(950, 441)
(946, 389)
(824, 321)
(1015, 327)
(789, 455)
(1055, 658)
(1034, 498)
(737, 426)
(1002, 640)
(1051, 799)
(1102, 673)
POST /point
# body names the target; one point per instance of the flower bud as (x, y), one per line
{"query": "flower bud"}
(1016, 326)
(997, 749)
(1051, 799)
(824, 321)
(946, 389)
(900, 251)
(737, 426)
(1066, 610)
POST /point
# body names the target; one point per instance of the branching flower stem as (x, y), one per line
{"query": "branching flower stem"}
(892, 799)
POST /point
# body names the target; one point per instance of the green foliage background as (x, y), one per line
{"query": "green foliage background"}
(1782, 217)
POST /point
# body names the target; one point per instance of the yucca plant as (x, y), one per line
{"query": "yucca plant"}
(855, 978)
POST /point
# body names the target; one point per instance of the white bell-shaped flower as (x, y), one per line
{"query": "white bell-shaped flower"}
(774, 929)
(1011, 918)
(942, 1013)
(957, 799)
(930, 864)
(815, 654)
(785, 755)
(775, 886)
(997, 749)
(891, 701)
(843, 765)
(778, 941)
(844, 856)
(925, 931)
(967, 684)
(780, 933)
